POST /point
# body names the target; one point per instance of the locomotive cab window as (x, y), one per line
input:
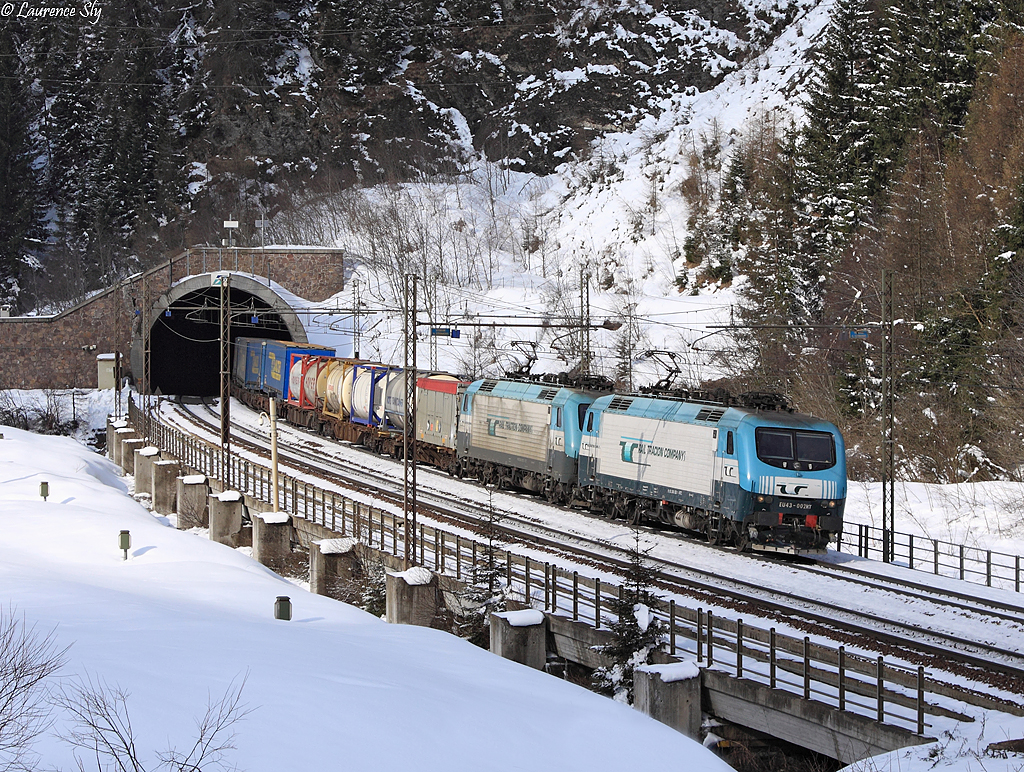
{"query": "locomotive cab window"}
(583, 411)
(558, 418)
(791, 449)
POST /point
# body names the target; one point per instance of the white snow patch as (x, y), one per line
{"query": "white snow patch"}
(416, 576)
(525, 618)
(336, 546)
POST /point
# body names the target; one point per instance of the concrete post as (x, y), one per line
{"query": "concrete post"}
(192, 495)
(670, 694)
(165, 486)
(520, 636)
(121, 434)
(226, 517)
(412, 597)
(112, 427)
(329, 558)
(144, 458)
(128, 448)
(271, 538)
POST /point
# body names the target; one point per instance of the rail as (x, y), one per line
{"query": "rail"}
(884, 691)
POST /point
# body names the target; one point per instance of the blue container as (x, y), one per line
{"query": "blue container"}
(248, 362)
(277, 357)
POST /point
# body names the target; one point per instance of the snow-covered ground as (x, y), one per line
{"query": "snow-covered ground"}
(184, 619)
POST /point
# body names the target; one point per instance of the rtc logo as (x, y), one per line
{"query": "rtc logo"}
(627, 450)
(784, 489)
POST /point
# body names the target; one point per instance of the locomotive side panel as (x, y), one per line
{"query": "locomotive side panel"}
(662, 458)
(509, 431)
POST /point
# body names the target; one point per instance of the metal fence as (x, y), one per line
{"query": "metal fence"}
(887, 692)
(941, 558)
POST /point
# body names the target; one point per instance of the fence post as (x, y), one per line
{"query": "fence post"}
(597, 604)
(672, 627)
(961, 562)
(771, 658)
(554, 588)
(842, 678)
(700, 634)
(526, 582)
(711, 638)
(547, 586)
(988, 568)
(807, 667)
(881, 691)
(911, 558)
(920, 699)
(935, 542)
(508, 567)
(739, 648)
(575, 596)
(1016, 574)
(458, 557)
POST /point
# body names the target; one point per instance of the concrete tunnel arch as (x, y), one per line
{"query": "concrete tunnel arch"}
(184, 325)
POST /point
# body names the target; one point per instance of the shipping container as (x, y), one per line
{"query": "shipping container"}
(437, 407)
(277, 360)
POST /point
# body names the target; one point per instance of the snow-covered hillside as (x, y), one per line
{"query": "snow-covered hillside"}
(499, 251)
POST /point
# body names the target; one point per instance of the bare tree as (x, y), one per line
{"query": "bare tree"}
(101, 726)
(27, 658)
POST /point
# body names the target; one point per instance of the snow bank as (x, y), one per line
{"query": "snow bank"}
(336, 546)
(184, 617)
(271, 518)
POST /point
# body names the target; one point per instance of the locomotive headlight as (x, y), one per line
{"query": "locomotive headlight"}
(830, 504)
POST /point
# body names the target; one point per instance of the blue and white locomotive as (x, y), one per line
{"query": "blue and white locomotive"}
(756, 476)
(761, 478)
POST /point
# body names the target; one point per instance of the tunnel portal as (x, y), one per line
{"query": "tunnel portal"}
(185, 332)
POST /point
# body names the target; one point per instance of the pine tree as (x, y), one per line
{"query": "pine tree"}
(486, 592)
(637, 632)
(836, 145)
(20, 225)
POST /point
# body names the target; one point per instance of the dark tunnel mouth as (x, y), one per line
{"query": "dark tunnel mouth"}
(185, 345)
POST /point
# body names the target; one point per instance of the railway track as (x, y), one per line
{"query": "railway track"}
(986, 646)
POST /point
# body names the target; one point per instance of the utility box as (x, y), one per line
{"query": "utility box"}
(105, 371)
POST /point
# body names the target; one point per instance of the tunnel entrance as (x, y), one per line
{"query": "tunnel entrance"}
(185, 332)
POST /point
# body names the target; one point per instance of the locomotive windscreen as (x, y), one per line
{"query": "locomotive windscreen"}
(791, 449)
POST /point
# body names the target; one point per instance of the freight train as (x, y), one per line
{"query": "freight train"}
(744, 471)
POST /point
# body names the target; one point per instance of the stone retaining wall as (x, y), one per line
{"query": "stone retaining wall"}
(60, 351)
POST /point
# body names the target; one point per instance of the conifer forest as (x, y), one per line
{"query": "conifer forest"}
(129, 132)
